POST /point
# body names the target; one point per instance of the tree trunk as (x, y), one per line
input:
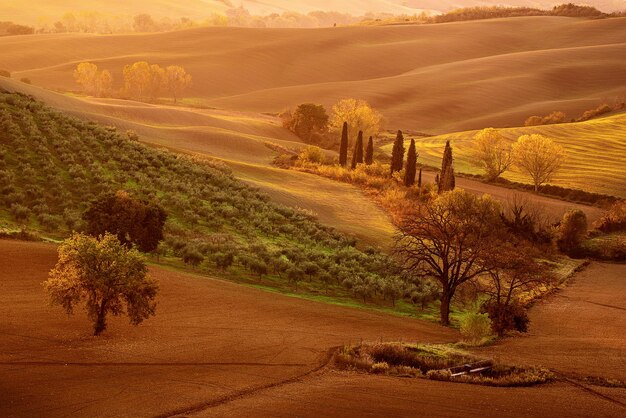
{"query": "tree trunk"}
(444, 310)
(101, 323)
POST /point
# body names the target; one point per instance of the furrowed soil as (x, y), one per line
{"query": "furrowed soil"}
(220, 349)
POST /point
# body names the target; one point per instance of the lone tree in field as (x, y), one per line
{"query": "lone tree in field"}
(359, 115)
(491, 152)
(449, 241)
(411, 165)
(446, 181)
(307, 119)
(357, 155)
(131, 220)
(104, 274)
(369, 152)
(176, 80)
(343, 147)
(397, 153)
(539, 157)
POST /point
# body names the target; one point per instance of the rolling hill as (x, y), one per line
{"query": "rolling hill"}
(433, 78)
(595, 153)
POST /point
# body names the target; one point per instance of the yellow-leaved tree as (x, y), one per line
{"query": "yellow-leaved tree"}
(491, 152)
(359, 115)
(176, 80)
(539, 157)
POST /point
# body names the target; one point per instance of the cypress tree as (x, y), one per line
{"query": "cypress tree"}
(369, 152)
(419, 180)
(357, 155)
(411, 165)
(446, 179)
(397, 154)
(343, 148)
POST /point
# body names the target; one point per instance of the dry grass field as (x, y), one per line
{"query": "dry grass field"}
(596, 151)
(220, 349)
(433, 78)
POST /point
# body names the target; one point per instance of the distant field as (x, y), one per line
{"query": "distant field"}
(432, 78)
(596, 153)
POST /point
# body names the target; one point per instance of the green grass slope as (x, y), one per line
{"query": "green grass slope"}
(596, 153)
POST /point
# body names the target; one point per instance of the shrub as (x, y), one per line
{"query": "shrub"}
(25, 80)
(572, 231)
(192, 256)
(614, 219)
(512, 317)
(552, 118)
(312, 154)
(590, 114)
(475, 327)
(380, 368)
(20, 213)
(5, 73)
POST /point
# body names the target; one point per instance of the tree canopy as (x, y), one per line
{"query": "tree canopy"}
(359, 115)
(109, 277)
(131, 220)
(491, 152)
(539, 157)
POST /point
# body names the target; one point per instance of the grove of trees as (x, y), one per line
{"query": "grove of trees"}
(109, 278)
(142, 81)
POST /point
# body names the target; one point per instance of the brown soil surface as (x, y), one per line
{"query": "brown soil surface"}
(210, 339)
(432, 78)
(578, 331)
(220, 349)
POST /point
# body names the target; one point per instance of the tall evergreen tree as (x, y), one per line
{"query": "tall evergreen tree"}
(369, 152)
(446, 179)
(357, 155)
(419, 179)
(411, 165)
(397, 154)
(343, 148)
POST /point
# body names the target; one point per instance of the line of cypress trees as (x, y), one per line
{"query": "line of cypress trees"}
(397, 154)
(357, 155)
(369, 152)
(446, 179)
(343, 148)
(411, 165)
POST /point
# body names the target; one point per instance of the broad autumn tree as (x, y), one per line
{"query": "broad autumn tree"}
(539, 157)
(369, 152)
(397, 153)
(109, 277)
(449, 241)
(176, 81)
(446, 180)
(357, 155)
(411, 165)
(92, 81)
(359, 115)
(307, 119)
(491, 152)
(132, 221)
(343, 147)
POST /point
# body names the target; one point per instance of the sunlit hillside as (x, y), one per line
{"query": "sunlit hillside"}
(595, 153)
(431, 78)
